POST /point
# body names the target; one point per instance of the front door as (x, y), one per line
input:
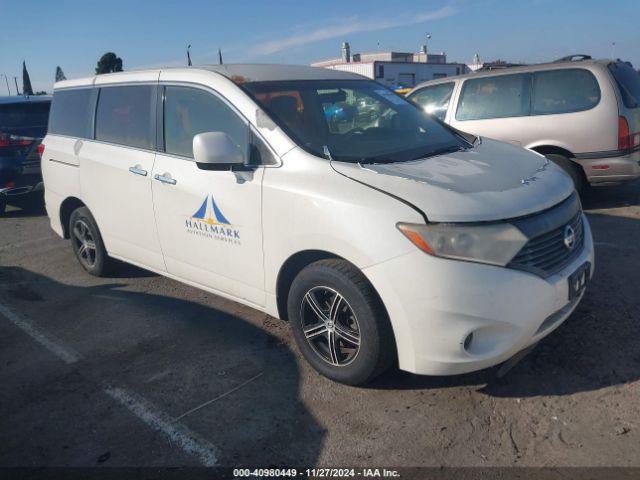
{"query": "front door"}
(209, 222)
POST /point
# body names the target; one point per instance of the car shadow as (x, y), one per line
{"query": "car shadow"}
(178, 354)
(126, 270)
(31, 205)
(595, 348)
(612, 197)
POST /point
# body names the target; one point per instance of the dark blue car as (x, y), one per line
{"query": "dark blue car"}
(23, 125)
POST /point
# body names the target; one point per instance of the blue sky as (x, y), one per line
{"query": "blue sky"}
(74, 34)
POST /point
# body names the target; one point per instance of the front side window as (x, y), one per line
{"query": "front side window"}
(564, 91)
(125, 116)
(355, 120)
(435, 99)
(72, 112)
(499, 96)
(190, 111)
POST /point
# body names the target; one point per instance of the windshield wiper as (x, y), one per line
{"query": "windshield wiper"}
(377, 160)
(441, 151)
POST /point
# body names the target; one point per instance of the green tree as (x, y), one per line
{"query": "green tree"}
(27, 89)
(109, 62)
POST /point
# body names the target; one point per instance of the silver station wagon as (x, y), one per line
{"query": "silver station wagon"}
(581, 113)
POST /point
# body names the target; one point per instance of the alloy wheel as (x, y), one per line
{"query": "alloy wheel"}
(330, 326)
(85, 243)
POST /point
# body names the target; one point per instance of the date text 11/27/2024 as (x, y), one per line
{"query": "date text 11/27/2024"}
(316, 472)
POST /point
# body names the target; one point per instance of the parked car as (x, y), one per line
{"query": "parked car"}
(583, 114)
(392, 239)
(23, 124)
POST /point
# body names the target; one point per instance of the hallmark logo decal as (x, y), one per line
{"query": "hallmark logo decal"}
(208, 221)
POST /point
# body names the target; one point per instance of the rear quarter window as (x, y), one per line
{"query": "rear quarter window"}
(499, 96)
(564, 91)
(72, 113)
(125, 116)
(628, 81)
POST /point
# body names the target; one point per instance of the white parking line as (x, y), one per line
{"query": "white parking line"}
(179, 434)
(47, 340)
(190, 442)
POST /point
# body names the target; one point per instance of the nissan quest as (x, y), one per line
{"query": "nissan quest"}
(320, 197)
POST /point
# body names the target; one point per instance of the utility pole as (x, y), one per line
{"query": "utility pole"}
(15, 79)
(425, 48)
(7, 82)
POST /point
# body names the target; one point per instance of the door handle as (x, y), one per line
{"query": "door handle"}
(165, 178)
(138, 170)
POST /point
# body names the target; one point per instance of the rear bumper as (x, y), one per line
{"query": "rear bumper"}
(19, 177)
(607, 170)
(22, 185)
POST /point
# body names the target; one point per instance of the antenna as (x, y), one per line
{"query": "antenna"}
(189, 56)
(219, 56)
(7, 82)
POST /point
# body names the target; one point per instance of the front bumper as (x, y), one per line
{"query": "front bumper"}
(611, 170)
(435, 303)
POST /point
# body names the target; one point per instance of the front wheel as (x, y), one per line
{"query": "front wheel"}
(87, 243)
(339, 322)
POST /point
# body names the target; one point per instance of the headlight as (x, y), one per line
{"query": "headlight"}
(495, 243)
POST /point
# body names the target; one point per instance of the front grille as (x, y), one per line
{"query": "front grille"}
(546, 254)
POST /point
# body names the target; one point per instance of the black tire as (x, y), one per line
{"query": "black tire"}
(575, 172)
(360, 311)
(3, 204)
(83, 231)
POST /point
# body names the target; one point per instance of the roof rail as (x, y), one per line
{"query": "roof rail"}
(573, 58)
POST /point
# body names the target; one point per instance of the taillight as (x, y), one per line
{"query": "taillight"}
(623, 134)
(626, 141)
(41, 150)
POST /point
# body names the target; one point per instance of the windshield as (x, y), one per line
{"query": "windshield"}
(357, 120)
(25, 118)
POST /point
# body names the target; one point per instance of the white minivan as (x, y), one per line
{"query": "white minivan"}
(320, 197)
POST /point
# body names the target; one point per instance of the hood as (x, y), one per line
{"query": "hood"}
(492, 181)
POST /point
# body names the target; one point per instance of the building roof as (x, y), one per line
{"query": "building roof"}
(24, 98)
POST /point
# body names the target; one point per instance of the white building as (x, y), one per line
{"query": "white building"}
(476, 63)
(395, 69)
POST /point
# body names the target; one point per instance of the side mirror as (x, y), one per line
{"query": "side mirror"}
(216, 151)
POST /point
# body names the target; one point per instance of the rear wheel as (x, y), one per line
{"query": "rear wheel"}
(339, 323)
(575, 171)
(87, 243)
(3, 204)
